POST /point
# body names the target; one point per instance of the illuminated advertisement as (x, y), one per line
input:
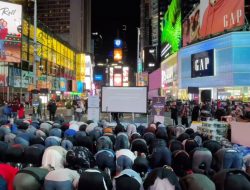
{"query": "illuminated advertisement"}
(63, 84)
(111, 76)
(212, 18)
(171, 29)
(98, 77)
(117, 43)
(88, 83)
(79, 86)
(202, 64)
(125, 75)
(10, 32)
(169, 75)
(117, 79)
(80, 65)
(117, 54)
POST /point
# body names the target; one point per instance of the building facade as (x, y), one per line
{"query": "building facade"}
(70, 19)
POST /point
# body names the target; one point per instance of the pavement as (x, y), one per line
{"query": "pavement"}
(127, 117)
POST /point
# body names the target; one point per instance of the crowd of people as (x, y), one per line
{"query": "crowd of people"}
(209, 111)
(63, 155)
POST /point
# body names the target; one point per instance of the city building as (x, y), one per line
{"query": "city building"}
(151, 14)
(213, 60)
(71, 19)
(55, 60)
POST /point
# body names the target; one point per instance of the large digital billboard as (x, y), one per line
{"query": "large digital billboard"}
(171, 30)
(10, 32)
(212, 17)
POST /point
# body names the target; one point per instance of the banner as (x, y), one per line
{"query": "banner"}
(10, 32)
(212, 18)
(63, 84)
(158, 109)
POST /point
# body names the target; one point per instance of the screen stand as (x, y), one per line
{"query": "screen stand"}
(147, 119)
(110, 116)
(133, 117)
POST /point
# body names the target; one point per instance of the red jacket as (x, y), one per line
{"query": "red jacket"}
(224, 15)
(8, 173)
(21, 113)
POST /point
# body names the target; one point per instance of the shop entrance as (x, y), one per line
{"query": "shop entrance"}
(206, 95)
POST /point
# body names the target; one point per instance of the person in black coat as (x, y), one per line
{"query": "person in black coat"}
(195, 112)
(174, 114)
(52, 109)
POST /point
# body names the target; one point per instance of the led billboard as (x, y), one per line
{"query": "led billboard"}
(10, 32)
(118, 54)
(212, 18)
(171, 30)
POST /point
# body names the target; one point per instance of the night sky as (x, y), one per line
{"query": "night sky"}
(108, 16)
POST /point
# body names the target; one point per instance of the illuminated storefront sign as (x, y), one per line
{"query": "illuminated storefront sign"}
(202, 64)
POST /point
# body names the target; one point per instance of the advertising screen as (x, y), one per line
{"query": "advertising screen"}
(117, 43)
(10, 32)
(98, 78)
(117, 54)
(79, 86)
(171, 30)
(212, 18)
(202, 64)
(63, 84)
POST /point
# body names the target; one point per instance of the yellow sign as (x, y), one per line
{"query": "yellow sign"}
(80, 67)
(25, 27)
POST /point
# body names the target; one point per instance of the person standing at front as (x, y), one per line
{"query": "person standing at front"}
(79, 110)
(52, 109)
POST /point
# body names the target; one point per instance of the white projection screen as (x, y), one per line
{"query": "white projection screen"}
(124, 99)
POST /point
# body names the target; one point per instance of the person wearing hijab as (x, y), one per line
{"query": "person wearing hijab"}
(54, 157)
(127, 179)
(161, 178)
(94, 179)
(124, 159)
(131, 129)
(61, 179)
(30, 178)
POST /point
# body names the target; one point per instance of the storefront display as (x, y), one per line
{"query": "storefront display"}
(219, 65)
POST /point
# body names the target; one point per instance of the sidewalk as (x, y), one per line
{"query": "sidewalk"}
(127, 117)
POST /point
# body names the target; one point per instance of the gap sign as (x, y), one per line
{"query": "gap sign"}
(202, 64)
